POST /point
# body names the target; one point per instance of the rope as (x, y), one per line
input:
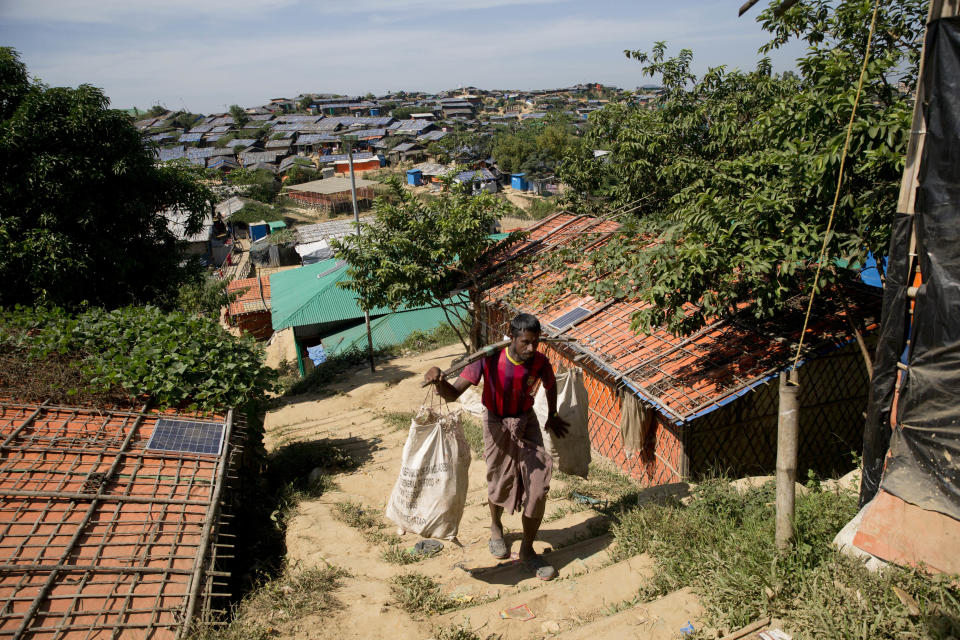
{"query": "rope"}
(836, 195)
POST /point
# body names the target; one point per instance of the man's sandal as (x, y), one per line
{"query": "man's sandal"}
(498, 549)
(539, 567)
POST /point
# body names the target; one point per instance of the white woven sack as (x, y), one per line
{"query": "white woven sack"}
(571, 453)
(429, 496)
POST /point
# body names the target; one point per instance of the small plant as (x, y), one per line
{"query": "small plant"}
(474, 435)
(370, 524)
(396, 554)
(419, 595)
(458, 632)
(398, 420)
(292, 595)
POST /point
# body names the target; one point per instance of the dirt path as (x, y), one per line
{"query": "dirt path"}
(580, 602)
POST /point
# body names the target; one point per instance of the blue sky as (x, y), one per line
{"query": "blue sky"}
(205, 54)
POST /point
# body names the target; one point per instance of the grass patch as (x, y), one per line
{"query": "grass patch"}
(473, 432)
(722, 544)
(370, 525)
(603, 483)
(457, 632)
(276, 602)
(398, 420)
(420, 596)
(395, 554)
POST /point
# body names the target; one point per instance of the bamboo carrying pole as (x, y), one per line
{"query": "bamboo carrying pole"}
(787, 441)
(483, 353)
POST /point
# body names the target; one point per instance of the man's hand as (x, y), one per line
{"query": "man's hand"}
(557, 426)
(433, 375)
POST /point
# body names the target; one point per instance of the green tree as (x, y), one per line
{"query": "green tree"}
(461, 146)
(156, 110)
(730, 180)
(419, 253)
(240, 117)
(185, 120)
(84, 207)
(535, 148)
(260, 185)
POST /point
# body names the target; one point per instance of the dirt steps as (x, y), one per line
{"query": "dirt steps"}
(567, 602)
(592, 597)
(660, 619)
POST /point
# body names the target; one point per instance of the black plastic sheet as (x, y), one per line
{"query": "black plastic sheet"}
(924, 464)
(890, 344)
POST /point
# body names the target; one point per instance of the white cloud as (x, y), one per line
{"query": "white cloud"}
(218, 68)
(139, 12)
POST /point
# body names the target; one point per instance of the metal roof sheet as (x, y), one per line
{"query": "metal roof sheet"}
(315, 138)
(310, 295)
(336, 184)
(386, 331)
(191, 137)
(684, 376)
(308, 233)
(432, 135)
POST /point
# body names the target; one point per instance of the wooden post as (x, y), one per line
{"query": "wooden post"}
(356, 219)
(787, 440)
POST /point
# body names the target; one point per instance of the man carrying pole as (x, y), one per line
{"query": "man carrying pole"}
(518, 467)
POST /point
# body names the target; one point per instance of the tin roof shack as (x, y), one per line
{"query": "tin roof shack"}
(332, 195)
(313, 240)
(111, 520)
(694, 403)
(310, 300)
(250, 311)
(209, 243)
(407, 152)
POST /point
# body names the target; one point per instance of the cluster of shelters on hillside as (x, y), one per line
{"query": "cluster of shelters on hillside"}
(311, 130)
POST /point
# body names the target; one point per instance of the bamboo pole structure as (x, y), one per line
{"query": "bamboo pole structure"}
(787, 441)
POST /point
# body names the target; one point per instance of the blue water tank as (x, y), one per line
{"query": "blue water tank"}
(258, 231)
(518, 181)
(415, 177)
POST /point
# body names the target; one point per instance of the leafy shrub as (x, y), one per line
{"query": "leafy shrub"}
(176, 359)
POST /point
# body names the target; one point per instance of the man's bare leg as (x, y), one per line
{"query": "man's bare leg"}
(497, 545)
(496, 523)
(530, 528)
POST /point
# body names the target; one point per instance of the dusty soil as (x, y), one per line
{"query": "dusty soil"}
(589, 586)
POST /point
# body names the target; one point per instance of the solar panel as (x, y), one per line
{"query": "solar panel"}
(187, 436)
(569, 318)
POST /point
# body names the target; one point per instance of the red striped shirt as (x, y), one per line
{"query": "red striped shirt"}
(508, 388)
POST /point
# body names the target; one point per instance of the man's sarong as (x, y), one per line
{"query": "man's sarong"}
(518, 467)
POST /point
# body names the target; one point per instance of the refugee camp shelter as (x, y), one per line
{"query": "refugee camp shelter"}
(250, 311)
(386, 331)
(111, 520)
(313, 240)
(668, 408)
(332, 195)
(310, 300)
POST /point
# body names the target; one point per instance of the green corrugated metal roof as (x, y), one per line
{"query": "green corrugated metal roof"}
(386, 330)
(310, 295)
(277, 224)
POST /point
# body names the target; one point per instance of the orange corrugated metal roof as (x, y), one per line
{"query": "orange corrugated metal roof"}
(685, 376)
(101, 536)
(255, 296)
